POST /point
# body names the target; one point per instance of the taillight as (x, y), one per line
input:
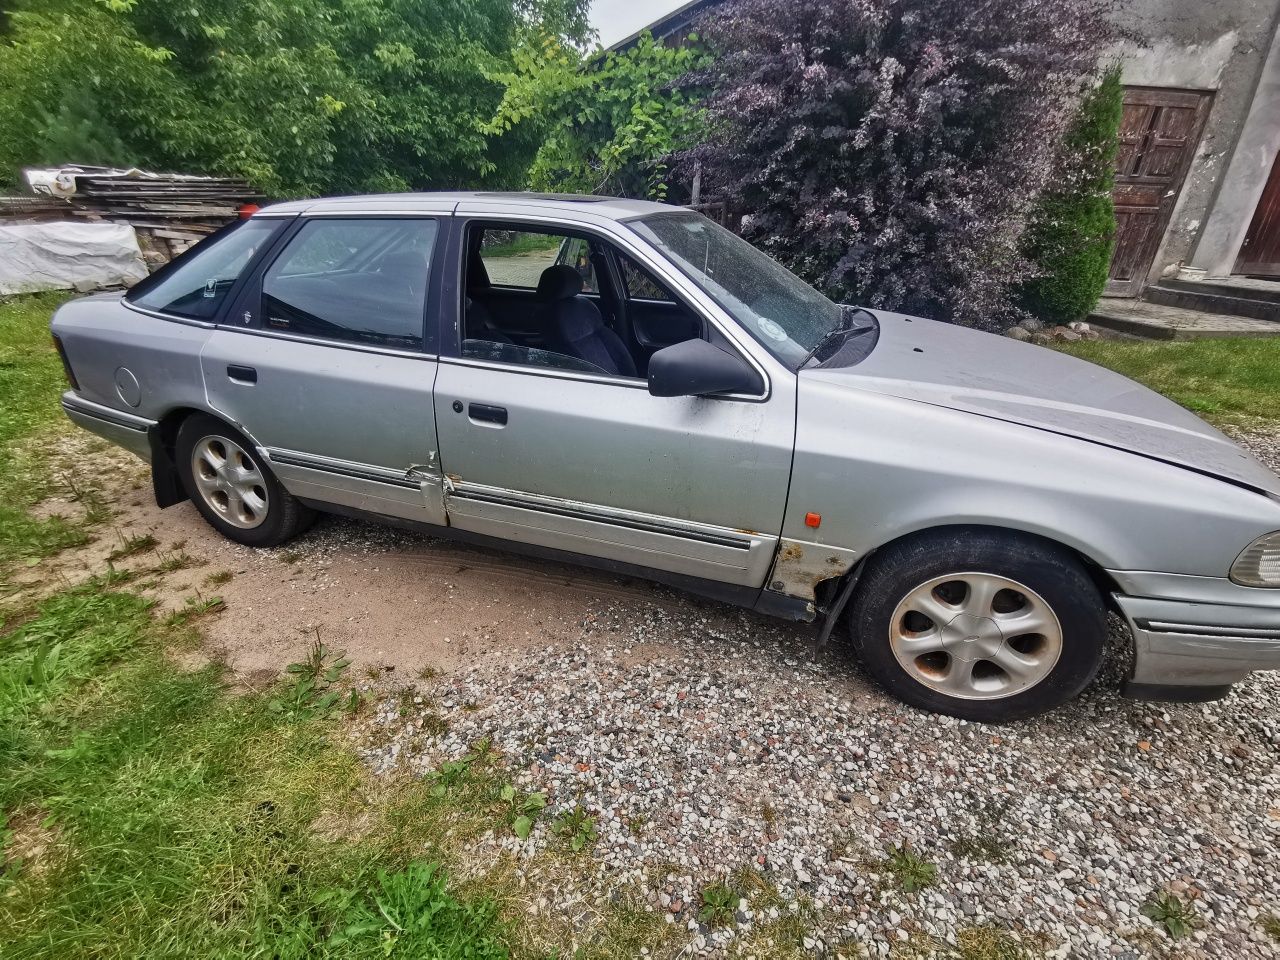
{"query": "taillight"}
(66, 364)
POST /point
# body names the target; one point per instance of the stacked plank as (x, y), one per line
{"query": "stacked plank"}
(172, 213)
(31, 209)
(169, 211)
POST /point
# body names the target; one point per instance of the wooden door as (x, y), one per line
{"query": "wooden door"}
(1159, 133)
(1260, 254)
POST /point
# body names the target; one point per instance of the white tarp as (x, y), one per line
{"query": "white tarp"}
(62, 256)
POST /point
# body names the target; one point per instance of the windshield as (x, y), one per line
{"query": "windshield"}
(776, 307)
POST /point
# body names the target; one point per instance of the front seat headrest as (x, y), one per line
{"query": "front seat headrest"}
(560, 282)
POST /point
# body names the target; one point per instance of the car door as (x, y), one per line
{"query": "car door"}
(328, 364)
(573, 458)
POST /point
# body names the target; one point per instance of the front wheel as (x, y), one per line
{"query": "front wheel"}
(232, 488)
(981, 625)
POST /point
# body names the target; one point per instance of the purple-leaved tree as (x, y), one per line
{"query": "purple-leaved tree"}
(890, 150)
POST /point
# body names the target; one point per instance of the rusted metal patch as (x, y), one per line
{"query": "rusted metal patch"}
(800, 566)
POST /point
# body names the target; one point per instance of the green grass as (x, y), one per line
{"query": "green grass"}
(1235, 381)
(181, 821)
(31, 380)
(522, 243)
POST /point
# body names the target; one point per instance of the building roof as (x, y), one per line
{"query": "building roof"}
(679, 19)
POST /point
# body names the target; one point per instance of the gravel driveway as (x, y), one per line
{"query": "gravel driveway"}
(707, 745)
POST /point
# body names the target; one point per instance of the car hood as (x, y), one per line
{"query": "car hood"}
(997, 377)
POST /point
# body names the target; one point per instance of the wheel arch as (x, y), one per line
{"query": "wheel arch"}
(166, 481)
(827, 591)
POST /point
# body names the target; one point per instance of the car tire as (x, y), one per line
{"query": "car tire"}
(979, 624)
(232, 487)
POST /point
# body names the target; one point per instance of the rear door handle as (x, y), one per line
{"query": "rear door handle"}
(242, 374)
(483, 411)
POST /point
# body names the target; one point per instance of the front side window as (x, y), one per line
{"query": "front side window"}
(786, 315)
(640, 282)
(360, 281)
(196, 285)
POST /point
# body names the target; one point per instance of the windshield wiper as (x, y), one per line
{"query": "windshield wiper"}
(843, 329)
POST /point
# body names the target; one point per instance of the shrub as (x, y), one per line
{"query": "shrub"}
(1073, 228)
(888, 150)
(607, 125)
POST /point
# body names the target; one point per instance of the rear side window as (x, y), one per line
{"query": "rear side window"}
(360, 281)
(195, 285)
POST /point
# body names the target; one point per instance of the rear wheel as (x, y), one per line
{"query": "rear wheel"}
(232, 487)
(981, 625)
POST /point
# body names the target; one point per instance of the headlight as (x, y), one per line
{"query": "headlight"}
(1259, 564)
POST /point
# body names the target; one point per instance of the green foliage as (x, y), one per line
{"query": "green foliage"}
(1072, 231)
(410, 913)
(74, 128)
(300, 96)
(605, 126)
(1167, 910)
(521, 809)
(1271, 926)
(311, 693)
(719, 901)
(577, 827)
(912, 872)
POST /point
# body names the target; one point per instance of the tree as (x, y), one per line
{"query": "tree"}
(606, 124)
(1072, 231)
(300, 96)
(888, 150)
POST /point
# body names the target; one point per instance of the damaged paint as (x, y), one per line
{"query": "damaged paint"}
(801, 565)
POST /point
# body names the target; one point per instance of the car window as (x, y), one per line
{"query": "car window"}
(196, 284)
(361, 281)
(517, 258)
(640, 282)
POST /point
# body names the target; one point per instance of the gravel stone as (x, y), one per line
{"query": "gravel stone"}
(702, 749)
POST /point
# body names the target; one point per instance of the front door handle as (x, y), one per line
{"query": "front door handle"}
(487, 413)
(242, 374)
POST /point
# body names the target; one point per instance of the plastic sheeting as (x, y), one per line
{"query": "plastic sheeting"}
(62, 256)
(61, 181)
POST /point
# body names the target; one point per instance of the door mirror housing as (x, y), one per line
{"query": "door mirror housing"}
(695, 368)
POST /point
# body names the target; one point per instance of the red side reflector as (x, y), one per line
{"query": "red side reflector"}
(813, 519)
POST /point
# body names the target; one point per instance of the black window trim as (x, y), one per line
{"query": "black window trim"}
(250, 295)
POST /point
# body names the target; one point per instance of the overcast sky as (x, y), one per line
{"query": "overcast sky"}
(616, 19)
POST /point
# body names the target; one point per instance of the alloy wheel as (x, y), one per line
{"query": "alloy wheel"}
(975, 636)
(230, 482)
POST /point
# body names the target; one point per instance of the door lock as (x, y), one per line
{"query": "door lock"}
(457, 406)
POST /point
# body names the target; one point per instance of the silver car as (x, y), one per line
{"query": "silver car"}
(628, 385)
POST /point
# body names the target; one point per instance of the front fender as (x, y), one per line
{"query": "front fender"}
(877, 468)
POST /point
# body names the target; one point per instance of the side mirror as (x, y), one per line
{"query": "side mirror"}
(695, 368)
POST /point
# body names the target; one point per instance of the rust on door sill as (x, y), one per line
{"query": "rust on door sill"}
(801, 566)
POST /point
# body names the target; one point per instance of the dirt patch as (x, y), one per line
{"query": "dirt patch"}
(396, 602)
(31, 846)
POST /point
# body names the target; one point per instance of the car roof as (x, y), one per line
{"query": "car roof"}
(614, 208)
